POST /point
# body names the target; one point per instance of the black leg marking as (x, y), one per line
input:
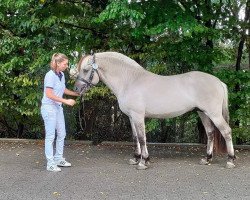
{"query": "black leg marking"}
(230, 163)
(137, 157)
(209, 157)
(146, 159)
(231, 157)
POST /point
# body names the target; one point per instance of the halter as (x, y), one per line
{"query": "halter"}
(87, 86)
(88, 83)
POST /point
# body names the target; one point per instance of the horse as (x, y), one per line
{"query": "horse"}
(142, 94)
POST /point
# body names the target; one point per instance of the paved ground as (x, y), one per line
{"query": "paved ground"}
(102, 172)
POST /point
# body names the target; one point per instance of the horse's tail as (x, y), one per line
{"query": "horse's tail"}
(219, 141)
(225, 111)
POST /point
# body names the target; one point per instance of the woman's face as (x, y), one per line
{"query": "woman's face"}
(61, 66)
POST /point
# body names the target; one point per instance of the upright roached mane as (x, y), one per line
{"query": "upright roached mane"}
(141, 94)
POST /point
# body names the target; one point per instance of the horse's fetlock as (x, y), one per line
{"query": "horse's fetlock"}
(137, 156)
(146, 159)
(209, 157)
(231, 157)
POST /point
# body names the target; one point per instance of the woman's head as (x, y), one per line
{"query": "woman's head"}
(59, 62)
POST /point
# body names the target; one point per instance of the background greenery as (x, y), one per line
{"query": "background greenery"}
(165, 36)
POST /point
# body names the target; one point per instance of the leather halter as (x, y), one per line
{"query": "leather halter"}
(88, 83)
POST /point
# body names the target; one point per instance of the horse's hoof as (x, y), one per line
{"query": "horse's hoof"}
(133, 161)
(141, 166)
(230, 165)
(204, 162)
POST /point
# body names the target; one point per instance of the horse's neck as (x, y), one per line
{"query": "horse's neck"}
(118, 78)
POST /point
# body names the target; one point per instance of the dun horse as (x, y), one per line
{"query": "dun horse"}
(141, 94)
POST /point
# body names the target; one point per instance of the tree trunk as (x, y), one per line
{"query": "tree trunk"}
(240, 52)
(20, 128)
(163, 137)
(202, 133)
(247, 19)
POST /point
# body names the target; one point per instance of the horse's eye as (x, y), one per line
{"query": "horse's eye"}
(85, 70)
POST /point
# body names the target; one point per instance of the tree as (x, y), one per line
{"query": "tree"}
(166, 37)
(177, 36)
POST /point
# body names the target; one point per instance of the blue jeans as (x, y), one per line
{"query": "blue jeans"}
(54, 126)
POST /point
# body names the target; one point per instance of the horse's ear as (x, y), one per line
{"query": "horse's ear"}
(93, 58)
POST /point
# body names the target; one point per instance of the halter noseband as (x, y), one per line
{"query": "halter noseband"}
(88, 82)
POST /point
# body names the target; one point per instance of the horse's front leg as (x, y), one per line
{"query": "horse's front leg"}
(137, 155)
(140, 130)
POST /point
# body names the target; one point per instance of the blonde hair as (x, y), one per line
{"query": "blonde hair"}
(57, 58)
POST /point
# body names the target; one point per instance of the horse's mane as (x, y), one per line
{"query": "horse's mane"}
(128, 62)
(80, 62)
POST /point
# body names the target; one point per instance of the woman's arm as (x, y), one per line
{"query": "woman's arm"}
(50, 94)
(71, 93)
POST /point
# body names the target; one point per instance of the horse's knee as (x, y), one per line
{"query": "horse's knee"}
(142, 139)
(135, 138)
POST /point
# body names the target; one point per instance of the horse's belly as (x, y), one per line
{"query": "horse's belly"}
(160, 112)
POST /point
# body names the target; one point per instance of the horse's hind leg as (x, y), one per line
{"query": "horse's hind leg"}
(209, 128)
(226, 132)
(137, 155)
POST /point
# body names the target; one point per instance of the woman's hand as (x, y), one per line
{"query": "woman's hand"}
(69, 102)
(50, 94)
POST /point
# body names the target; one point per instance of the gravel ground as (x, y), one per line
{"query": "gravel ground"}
(102, 172)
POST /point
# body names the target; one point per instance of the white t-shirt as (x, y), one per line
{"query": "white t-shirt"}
(57, 83)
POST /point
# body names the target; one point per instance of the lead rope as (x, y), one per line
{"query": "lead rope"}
(79, 114)
(82, 100)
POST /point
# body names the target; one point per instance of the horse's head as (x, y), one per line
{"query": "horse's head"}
(87, 75)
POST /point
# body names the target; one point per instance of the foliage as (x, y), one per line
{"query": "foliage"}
(166, 37)
(31, 31)
(239, 99)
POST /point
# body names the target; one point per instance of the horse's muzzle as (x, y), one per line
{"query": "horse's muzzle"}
(79, 87)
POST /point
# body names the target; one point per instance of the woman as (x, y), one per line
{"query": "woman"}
(52, 111)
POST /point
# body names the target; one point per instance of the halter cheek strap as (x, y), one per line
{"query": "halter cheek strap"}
(88, 82)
